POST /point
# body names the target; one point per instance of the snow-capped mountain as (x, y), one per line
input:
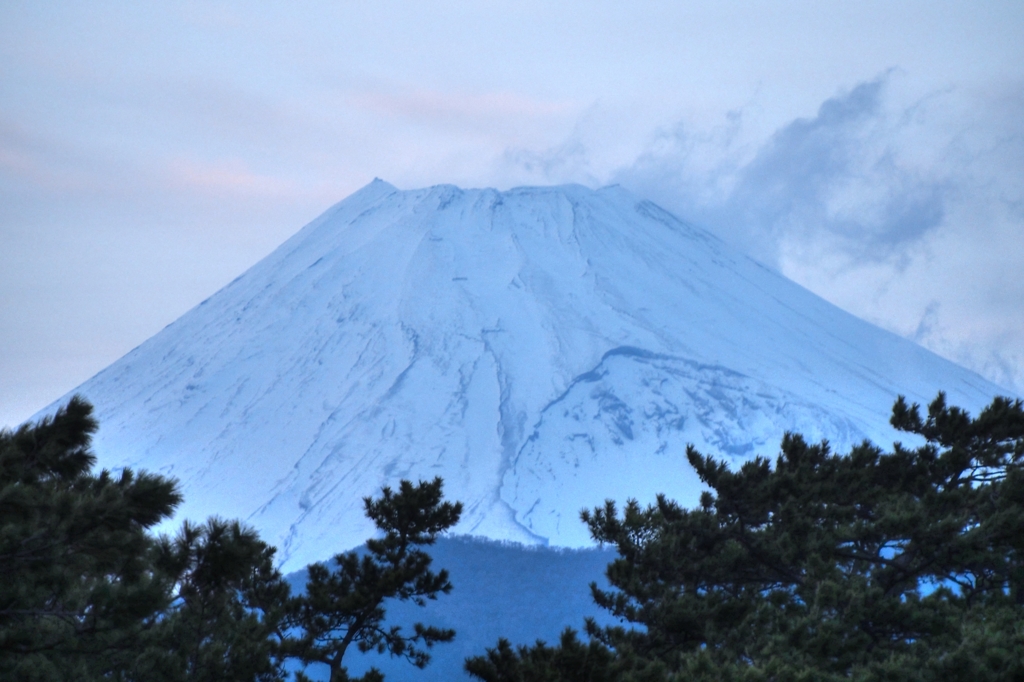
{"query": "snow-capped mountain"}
(541, 349)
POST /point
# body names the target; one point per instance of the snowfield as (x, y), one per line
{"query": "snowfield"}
(541, 349)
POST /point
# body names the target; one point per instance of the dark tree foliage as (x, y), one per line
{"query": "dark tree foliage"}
(77, 585)
(570, 661)
(344, 607)
(905, 565)
(87, 593)
(225, 609)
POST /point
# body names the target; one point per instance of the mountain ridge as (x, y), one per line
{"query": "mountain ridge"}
(542, 349)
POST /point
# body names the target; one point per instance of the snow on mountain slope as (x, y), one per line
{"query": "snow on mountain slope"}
(541, 349)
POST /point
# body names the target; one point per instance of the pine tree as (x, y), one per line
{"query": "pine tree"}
(904, 565)
(345, 607)
(225, 610)
(570, 661)
(77, 585)
(87, 593)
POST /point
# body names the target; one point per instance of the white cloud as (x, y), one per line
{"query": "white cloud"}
(908, 214)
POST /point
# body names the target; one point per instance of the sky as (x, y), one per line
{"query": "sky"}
(151, 152)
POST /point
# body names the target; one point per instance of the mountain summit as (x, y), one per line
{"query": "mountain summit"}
(541, 349)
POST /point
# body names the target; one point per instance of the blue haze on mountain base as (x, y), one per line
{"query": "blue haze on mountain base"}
(500, 589)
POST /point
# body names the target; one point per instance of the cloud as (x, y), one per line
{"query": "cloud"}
(836, 176)
(567, 161)
(906, 212)
(30, 162)
(228, 178)
(838, 173)
(497, 114)
(446, 105)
